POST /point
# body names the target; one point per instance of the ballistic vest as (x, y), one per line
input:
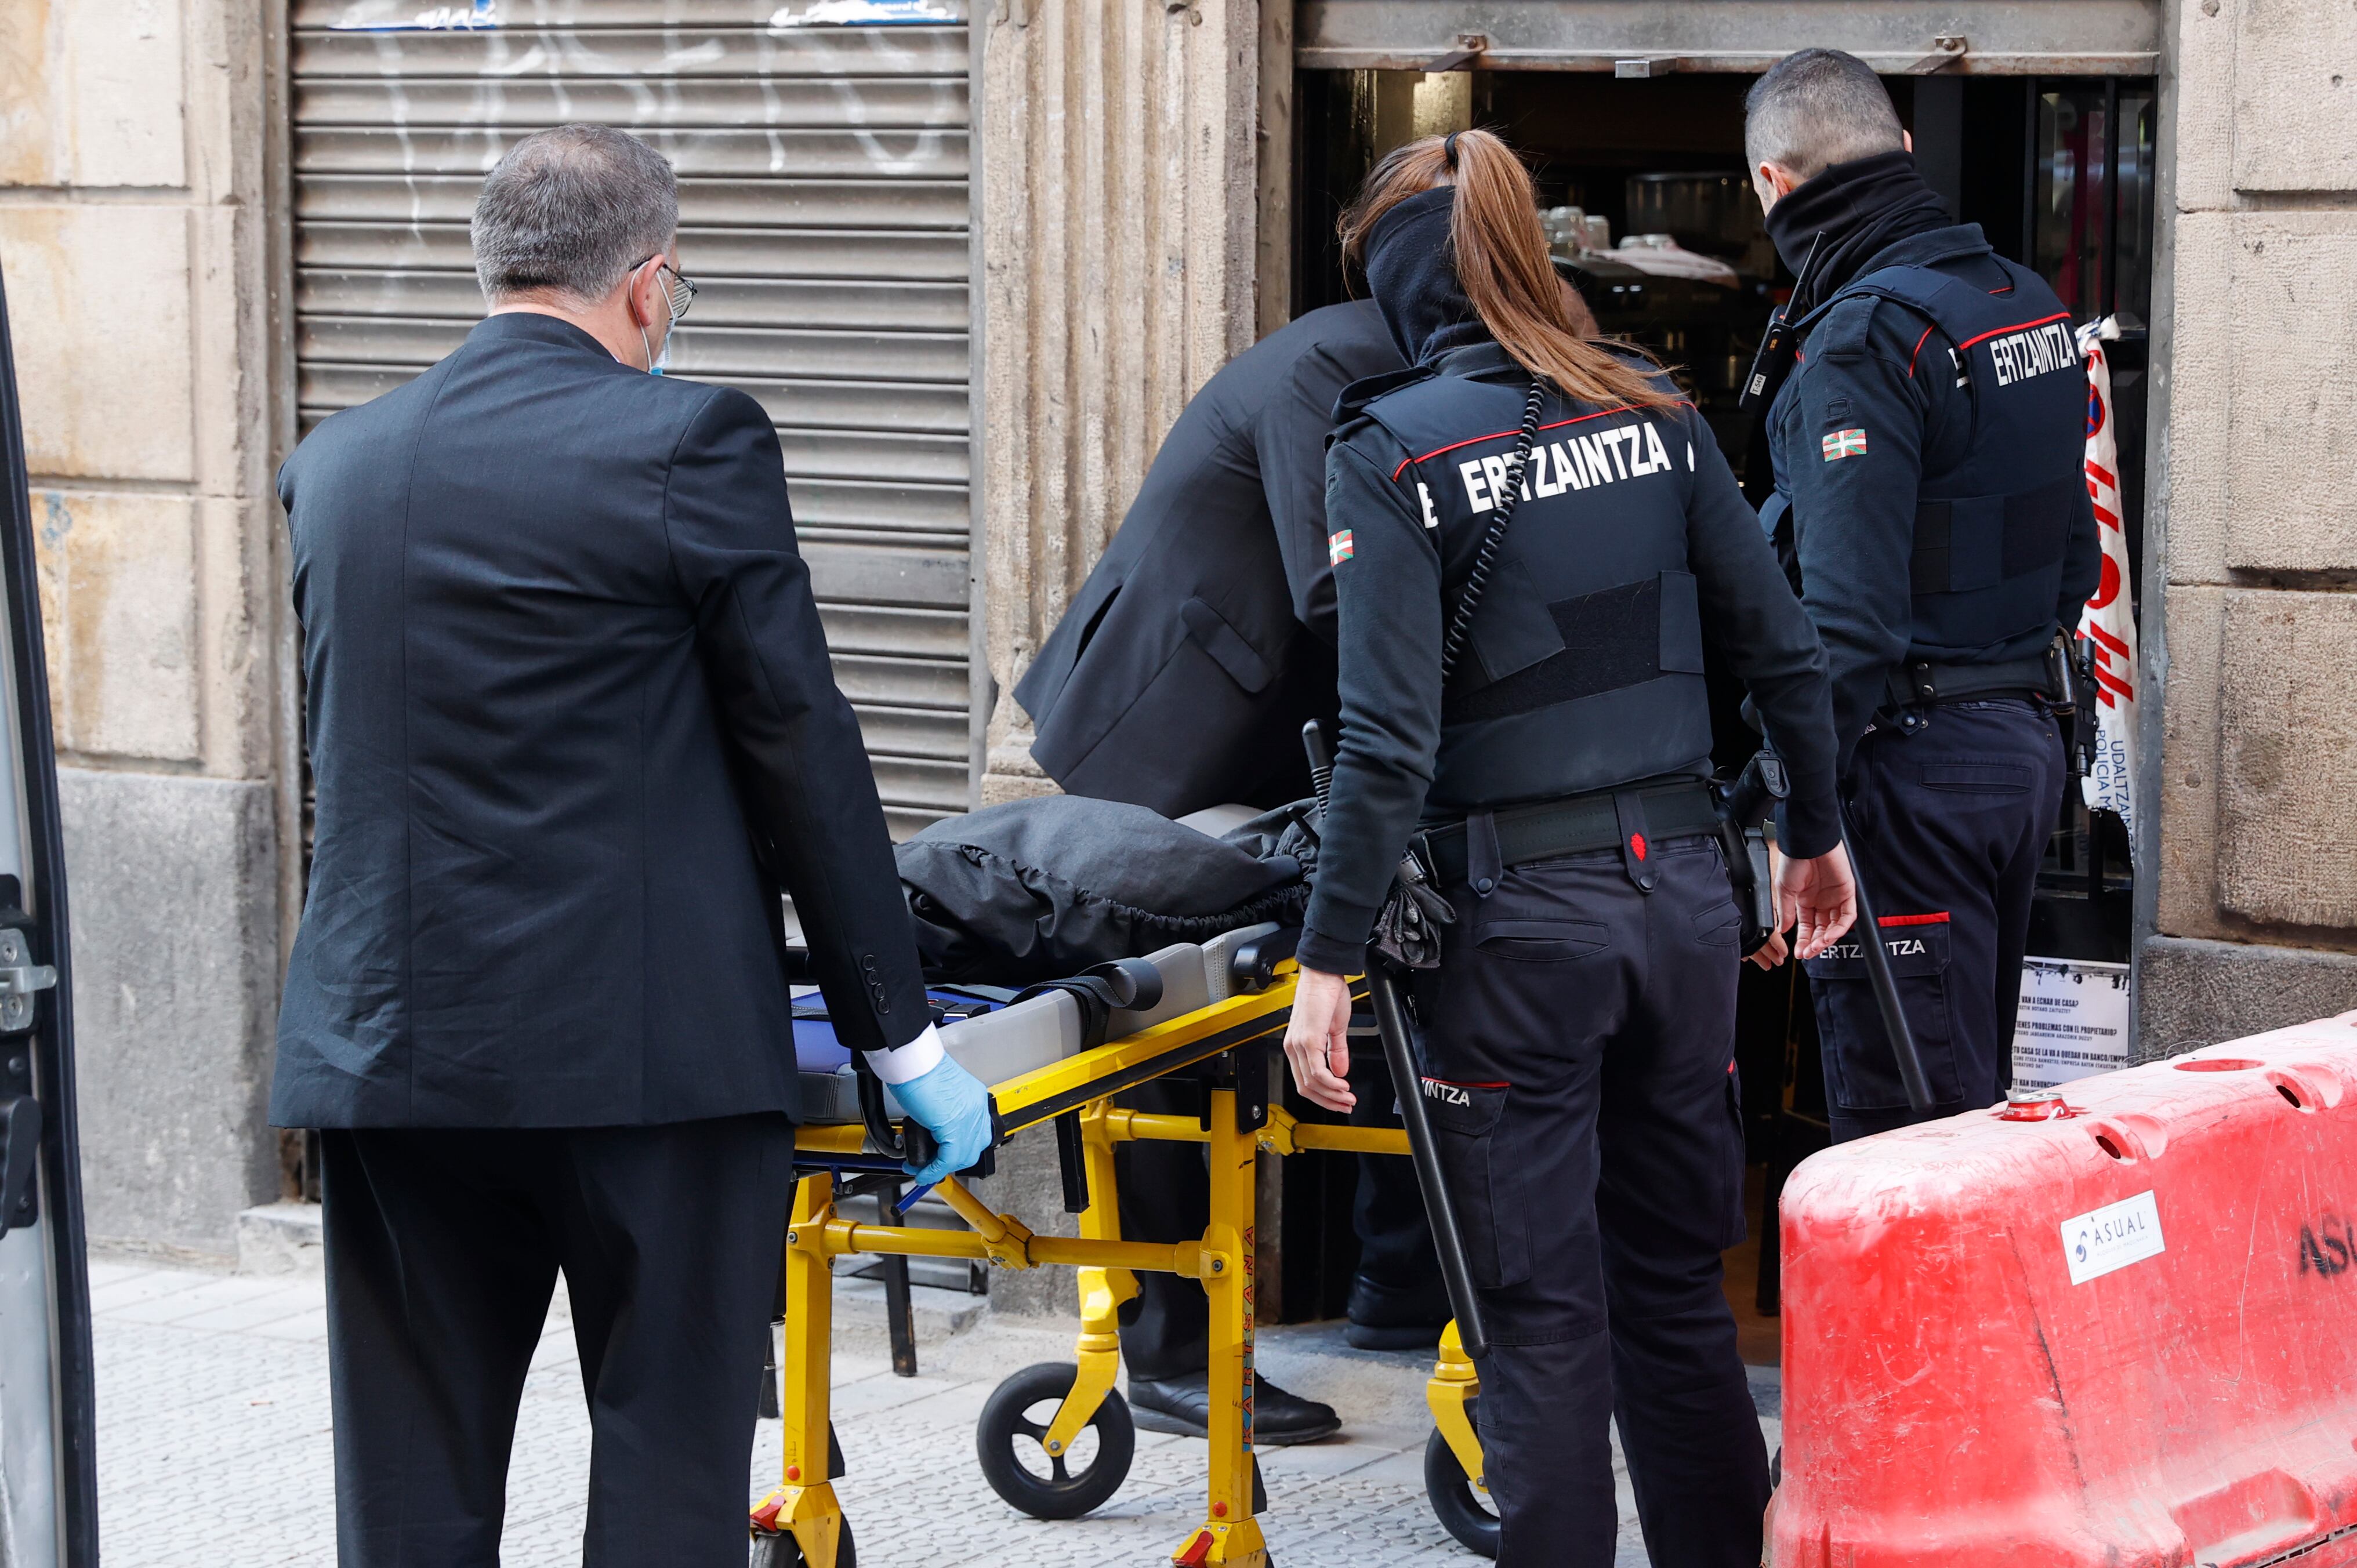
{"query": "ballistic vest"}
(1582, 668)
(1992, 526)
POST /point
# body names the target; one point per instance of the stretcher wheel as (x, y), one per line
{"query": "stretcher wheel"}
(1052, 1486)
(1463, 1512)
(782, 1551)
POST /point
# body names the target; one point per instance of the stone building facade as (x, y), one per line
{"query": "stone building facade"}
(2251, 878)
(1131, 166)
(137, 244)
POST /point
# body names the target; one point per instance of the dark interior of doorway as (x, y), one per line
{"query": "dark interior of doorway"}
(2058, 173)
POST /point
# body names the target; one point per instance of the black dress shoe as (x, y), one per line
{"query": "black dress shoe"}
(1385, 1318)
(1183, 1405)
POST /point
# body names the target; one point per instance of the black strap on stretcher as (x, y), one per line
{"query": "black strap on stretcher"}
(1101, 990)
(1123, 984)
(1407, 1088)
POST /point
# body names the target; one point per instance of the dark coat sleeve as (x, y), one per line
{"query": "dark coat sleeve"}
(1854, 515)
(810, 793)
(1388, 636)
(1291, 439)
(1749, 613)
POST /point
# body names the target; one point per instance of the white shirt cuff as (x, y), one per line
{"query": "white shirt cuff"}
(916, 1059)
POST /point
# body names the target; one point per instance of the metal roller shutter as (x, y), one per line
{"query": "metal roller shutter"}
(824, 208)
(1641, 37)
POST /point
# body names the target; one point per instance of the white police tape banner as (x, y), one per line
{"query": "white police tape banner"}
(2108, 623)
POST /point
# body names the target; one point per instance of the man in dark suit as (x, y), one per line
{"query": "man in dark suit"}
(572, 726)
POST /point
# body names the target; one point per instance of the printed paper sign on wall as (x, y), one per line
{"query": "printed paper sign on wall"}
(2071, 1021)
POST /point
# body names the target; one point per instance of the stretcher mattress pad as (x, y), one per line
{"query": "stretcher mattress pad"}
(997, 1042)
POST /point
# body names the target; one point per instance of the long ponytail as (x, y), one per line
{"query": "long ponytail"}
(1500, 257)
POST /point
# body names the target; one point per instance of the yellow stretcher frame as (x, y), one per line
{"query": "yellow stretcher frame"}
(804, 1506)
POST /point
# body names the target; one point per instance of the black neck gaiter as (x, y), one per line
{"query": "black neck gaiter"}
(1412, 271)
(1860, 208)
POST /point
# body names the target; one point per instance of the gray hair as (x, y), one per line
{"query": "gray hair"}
(570, 211)
(1815, 109)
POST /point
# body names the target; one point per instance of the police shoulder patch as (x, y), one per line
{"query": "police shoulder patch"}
(1354, 398)
(1846, 326)
(1843, 444)
(1338, 548)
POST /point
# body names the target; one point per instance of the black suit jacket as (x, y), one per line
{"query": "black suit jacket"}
(1182, 671)
(571, 725)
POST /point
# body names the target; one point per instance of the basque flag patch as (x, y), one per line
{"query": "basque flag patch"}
(1338, 548)
(1844, 443)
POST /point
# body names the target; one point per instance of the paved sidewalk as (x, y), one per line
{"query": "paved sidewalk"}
(214, 1444)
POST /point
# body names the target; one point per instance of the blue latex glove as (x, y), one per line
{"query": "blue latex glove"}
(954, 1108)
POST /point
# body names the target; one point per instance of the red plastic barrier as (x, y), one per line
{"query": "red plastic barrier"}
(2125, 1338)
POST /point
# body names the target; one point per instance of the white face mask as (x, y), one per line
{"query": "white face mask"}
(679, 293)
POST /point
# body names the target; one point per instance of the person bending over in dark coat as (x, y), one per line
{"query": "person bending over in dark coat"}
(1179, 679)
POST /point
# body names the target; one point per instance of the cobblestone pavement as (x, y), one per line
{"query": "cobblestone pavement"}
(215, 1444)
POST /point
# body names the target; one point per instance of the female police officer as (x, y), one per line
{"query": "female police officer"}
(1579, 1033)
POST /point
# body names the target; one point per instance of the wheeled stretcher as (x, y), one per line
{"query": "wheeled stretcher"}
(1216, 1011)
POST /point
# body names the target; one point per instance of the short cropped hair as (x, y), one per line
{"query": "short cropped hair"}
(1815, 109)
(569, 211)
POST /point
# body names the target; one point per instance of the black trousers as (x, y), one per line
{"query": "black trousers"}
(1166, 1196)
(1397, 1266)
(443, 1248)
(1578, 1045)
(1949, 824)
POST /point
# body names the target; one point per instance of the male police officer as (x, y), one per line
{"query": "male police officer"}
(1927, 452)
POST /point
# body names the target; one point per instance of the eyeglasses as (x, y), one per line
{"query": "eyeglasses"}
(678, 293)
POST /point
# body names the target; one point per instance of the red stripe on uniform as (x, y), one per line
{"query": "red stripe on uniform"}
(2016, 326)
(1501, 434)
(1938, 918)
(1918, 348)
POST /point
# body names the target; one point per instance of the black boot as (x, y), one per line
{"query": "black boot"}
(1386, 1318)
(1183, 1405)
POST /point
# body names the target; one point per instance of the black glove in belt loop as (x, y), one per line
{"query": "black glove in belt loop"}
(1636, 847)
(1484, 866)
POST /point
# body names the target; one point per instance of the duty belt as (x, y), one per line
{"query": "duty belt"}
(1918, 683)
(1571, 825)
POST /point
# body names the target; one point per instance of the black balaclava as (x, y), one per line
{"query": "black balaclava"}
(1860, 207)
(1412, 271)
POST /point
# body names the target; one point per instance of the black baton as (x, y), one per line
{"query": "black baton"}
(1407, 1088)
(1912, 1076)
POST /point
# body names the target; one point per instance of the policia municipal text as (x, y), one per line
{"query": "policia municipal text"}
(1931, 503)
(1577, 1036)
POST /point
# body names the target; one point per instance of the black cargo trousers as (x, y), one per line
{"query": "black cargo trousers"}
(1949, 821)
(1578, 1049)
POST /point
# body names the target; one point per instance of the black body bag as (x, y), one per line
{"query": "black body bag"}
(1035, 890)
